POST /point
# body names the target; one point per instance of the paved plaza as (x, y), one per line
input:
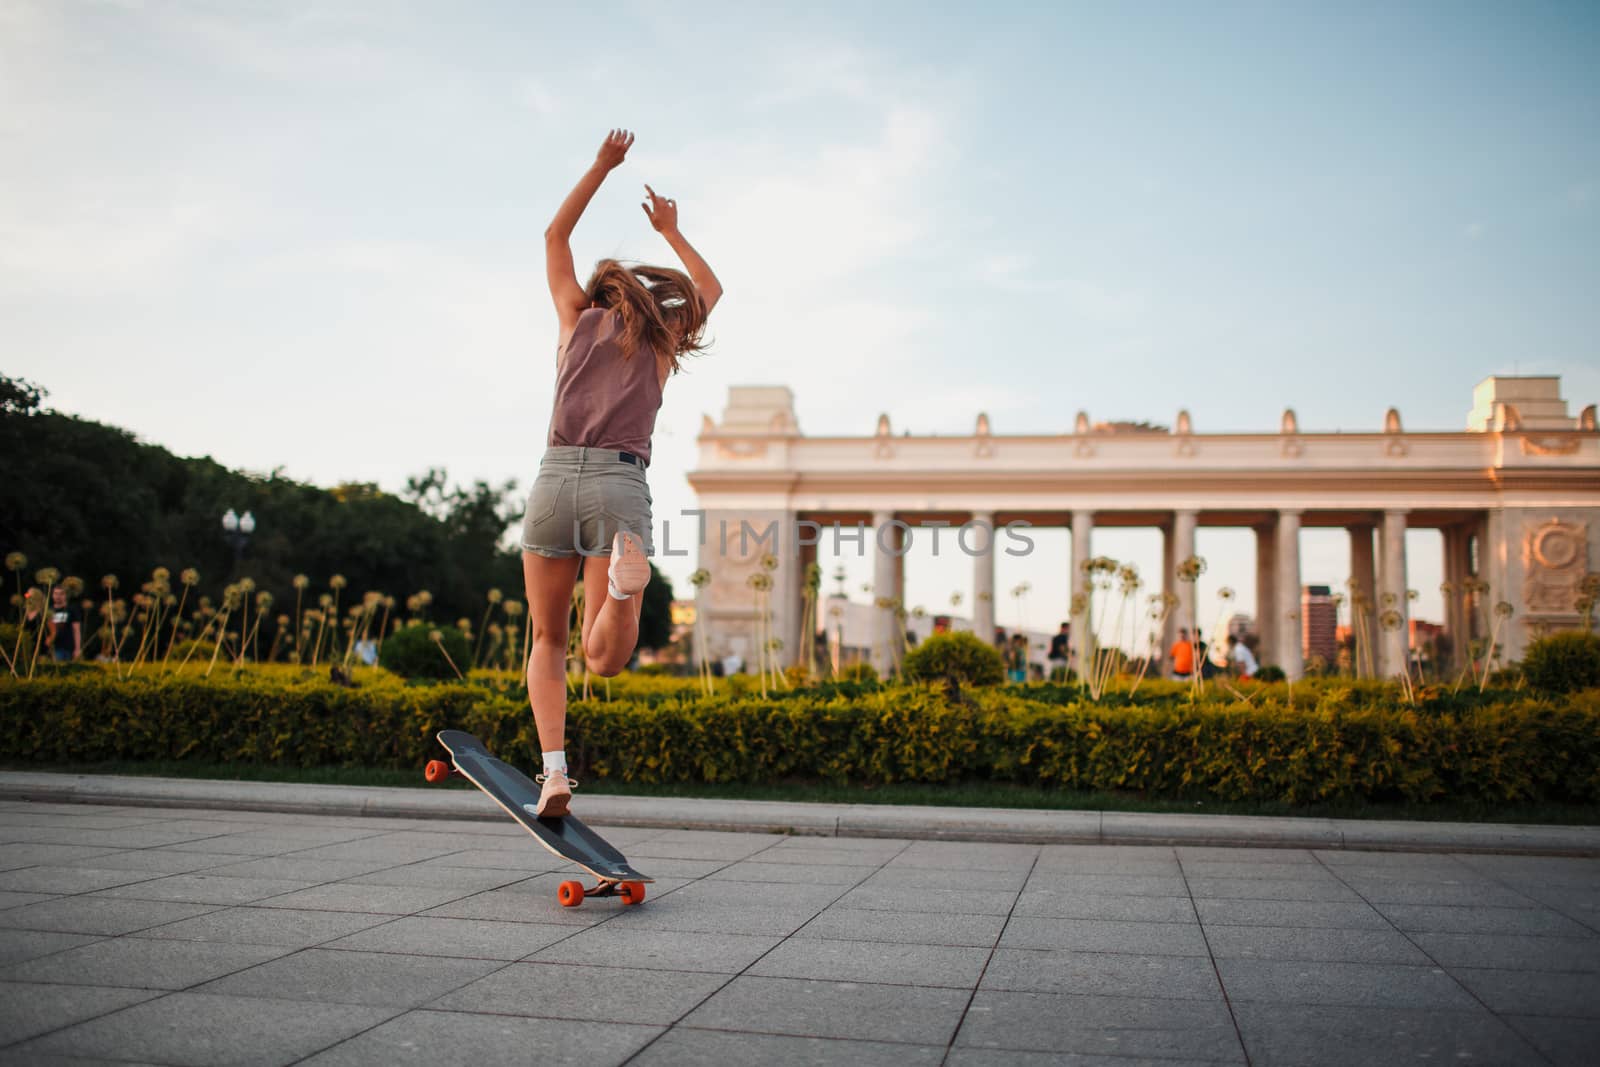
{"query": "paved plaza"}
(171, 936)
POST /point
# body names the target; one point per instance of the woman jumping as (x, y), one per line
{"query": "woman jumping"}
(622, 336)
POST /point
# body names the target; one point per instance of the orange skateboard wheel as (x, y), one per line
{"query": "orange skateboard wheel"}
(436, 770)
(570, 894)
(631, 892)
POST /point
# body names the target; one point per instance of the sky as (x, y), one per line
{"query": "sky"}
(304, 236)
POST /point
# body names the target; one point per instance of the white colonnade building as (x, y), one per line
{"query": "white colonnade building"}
(1515, 498)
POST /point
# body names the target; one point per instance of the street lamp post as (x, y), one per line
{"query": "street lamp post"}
(238, 529)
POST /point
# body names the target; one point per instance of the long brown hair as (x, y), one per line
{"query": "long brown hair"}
(660, 307)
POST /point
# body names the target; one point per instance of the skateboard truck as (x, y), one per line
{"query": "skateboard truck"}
(571, 894)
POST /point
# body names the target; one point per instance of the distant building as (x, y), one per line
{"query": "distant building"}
(1319, 624)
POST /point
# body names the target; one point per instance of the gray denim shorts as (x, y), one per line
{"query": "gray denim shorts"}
(581, 498)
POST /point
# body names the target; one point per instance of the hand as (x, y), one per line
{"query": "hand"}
(663, 213)
(614, 149)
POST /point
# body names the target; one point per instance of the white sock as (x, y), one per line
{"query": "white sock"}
(611, 587)
(555, 761)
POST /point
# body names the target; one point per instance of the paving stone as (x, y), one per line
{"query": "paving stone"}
(899, 876)
(132, 838)
(343, 896)
(859, 844)
(794, 857)
(513, 904)
(97, 915)
(30, 1009)
(691, 845)
(63, 880)
(1522, 992)
(17, 900)
(760, 894)
(957, 901)
(1428, 918)
(1547, 871)
(1474, 894)
(822, 874)
(1108, 859)
(965, 856)
(13, 857)
(1088, 935)
(607, 994)
(1291, 943)
(1223, 854)
(974, 1057)
(1580, 905)
(1058, 904)
(466, 879)
(1355, 984)
(1340, 859)
(1311, 1035)
(1102, 1026)
(857, 1011)
(1298, 913)
(12, 1058)
(669, 913)
(1512, 951)
(1108, 974)
(1566, 1042)
(199, 1030)
(472, 938)
(907, 927)
(687, 1047)
(440, 1037)
(268, 926)
(1269, 872)
(1272, 889)
(529, 859)
(19, 945)
(142, 963)
(155, 860)
(298, 870)
(880, 961)
(382, 849)
(331, 977)
(666, 950)
(204, 889)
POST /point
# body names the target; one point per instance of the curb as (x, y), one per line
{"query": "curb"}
(1008, 825)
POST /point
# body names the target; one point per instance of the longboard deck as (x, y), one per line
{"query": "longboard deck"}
(514, 791)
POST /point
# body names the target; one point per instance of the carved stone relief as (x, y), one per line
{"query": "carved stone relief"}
(1555, 557)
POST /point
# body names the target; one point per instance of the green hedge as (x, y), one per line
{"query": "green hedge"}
(1339, 742)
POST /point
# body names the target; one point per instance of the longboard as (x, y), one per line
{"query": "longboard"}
(566, 837)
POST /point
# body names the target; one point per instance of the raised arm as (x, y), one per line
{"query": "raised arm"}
(663, 214)
(564, 288)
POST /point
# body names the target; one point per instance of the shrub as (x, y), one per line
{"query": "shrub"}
(1563, 663)
(411, 652)
(958, 657)
(1271, 674)
(1339, 743)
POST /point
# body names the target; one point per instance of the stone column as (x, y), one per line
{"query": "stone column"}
(1287, 622)
(1169, 567)
(1363, 585)
(1394, 643)
(982, 544)
(1266, 592)
(1181, 539)
(885, 543)
(1078, 582)
(1455, 576)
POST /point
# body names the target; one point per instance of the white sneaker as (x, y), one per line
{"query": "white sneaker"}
(630, 567)
(556, 796)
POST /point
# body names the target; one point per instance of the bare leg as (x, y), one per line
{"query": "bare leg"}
(549, 585)
(610, 626)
